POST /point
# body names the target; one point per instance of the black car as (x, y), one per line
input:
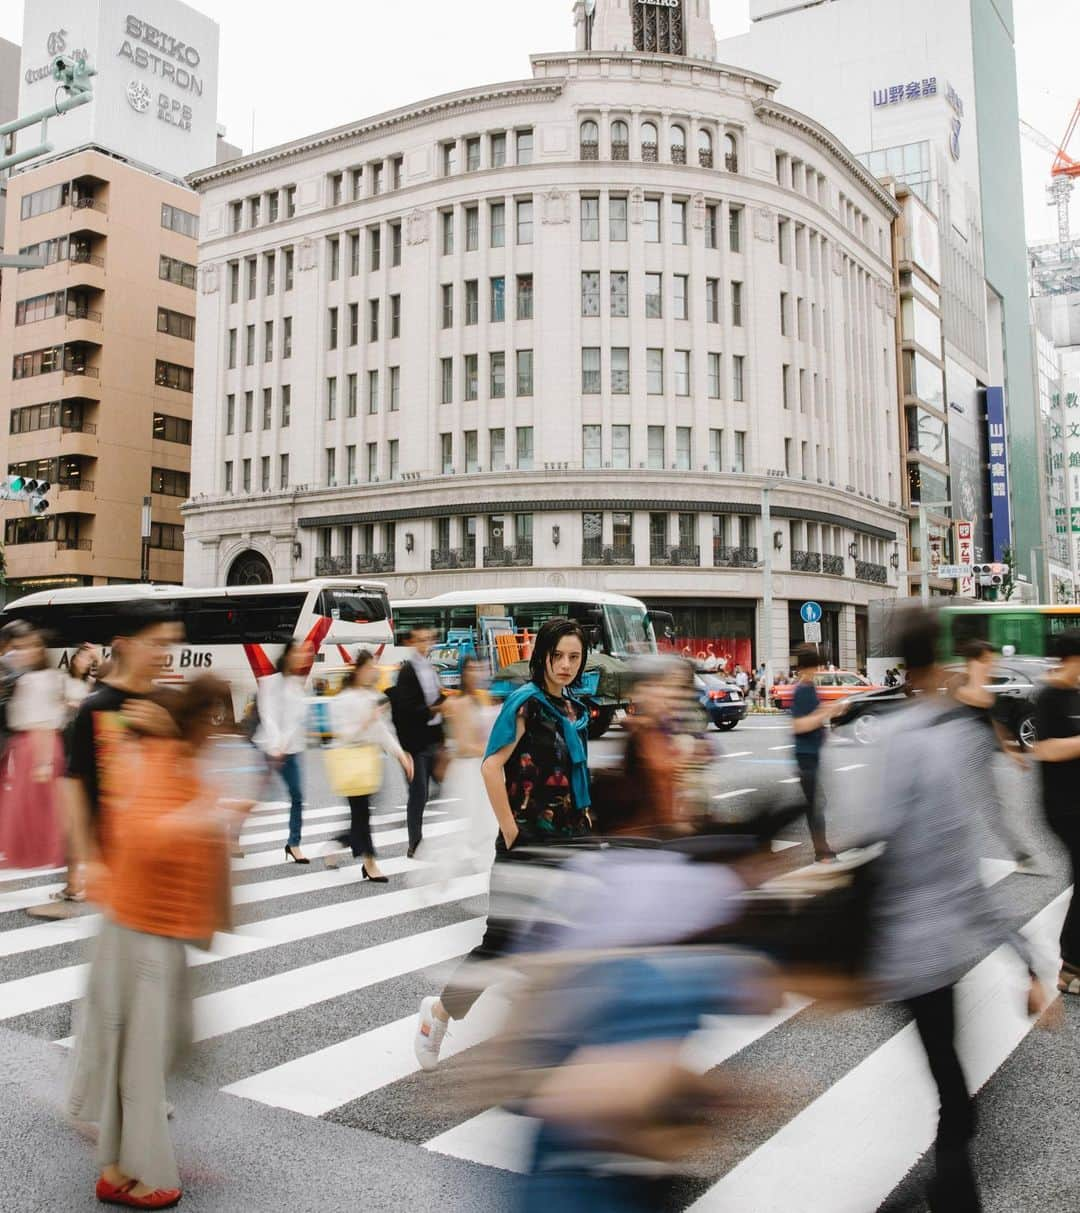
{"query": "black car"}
(720, 699)
(1015, 683)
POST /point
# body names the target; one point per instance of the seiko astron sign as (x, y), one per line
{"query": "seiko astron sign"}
(156, 63)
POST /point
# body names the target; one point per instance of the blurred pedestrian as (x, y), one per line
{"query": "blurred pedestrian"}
(416, 701)
(168, 887)
(742, 679)
(933, 917)
(973, 692)
(82, 676)
(31, 810)
(282, 731)
(810, 717)
(1057, 725)
(536, 775)
(358, 720)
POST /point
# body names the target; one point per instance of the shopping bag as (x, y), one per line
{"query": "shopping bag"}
(354, 770)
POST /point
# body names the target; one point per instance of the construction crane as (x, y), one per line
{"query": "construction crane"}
(1059, 191)
(1064, 171)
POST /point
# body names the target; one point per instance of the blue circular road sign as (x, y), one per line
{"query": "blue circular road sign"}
(810, 612)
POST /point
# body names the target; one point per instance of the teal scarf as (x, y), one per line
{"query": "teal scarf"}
(574, 733)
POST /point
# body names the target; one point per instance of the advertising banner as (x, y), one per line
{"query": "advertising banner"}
(1000, 514)
(965, 554)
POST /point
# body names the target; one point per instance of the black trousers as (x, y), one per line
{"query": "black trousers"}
(954, 1189)
(358, 839)
(423, 760)
(809, 765)
(1065, 822)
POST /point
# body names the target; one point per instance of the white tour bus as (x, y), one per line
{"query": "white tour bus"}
(236, 631)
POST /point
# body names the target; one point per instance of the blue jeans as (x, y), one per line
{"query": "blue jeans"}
(291, 774)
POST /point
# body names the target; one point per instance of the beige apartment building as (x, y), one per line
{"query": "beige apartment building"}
(97, 355)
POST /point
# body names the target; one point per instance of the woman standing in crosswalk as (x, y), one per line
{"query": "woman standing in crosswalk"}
(536, 776)
(167, 887)
(358, 718)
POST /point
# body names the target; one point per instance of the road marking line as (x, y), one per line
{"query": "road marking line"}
(329, 1078)
(41, 990)
(737, 792)
(738, 754)
(789, 746)
(782, 844)
(847, 1150)
(794, 779)
(854, 766)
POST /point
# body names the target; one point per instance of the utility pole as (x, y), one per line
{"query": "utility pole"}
(924, 547)
(144, 562)
(766, 590)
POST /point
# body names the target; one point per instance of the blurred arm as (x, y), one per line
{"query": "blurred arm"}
(1058, 749)
(493, 771)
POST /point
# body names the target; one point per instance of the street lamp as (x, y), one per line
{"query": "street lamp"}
(924, 547)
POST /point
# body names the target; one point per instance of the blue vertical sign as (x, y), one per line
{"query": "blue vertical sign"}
(1000, 515)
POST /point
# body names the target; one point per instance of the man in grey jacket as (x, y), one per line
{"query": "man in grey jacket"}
(933, 918)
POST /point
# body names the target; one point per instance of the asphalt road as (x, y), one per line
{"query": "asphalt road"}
(302, 1092)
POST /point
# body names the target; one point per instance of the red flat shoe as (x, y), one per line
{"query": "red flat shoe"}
(160, 1198)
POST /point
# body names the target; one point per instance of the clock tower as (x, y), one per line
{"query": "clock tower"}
(664, 27)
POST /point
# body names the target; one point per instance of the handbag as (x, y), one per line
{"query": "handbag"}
(354, 770)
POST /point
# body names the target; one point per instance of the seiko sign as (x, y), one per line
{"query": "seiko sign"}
(660, 3)
(168, 57)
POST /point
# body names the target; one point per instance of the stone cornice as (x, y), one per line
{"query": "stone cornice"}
(465, 101)
(710, 66)
(781, 115)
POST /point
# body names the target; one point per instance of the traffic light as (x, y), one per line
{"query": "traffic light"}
(990, 574)
(24, 488)
(72, 74)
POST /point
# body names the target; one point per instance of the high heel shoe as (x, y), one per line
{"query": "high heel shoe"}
(290, 854)
(373, 879)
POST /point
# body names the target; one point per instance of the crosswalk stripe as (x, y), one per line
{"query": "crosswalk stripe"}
(847, 1150)
(40, 990)
(736, 792)
(738, 754)
(332, 1077)
(10, 875)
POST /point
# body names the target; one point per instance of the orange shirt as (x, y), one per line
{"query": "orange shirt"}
(167, 852)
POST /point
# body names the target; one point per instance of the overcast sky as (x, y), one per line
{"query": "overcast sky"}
(332, 61)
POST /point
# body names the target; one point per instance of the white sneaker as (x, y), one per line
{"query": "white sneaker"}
(430, 1032)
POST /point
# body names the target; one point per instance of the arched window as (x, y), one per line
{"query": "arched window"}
(704, 149)
(731, 154)
(678, 145)
(649, 142)
(250, 568)
(590, 141)
(620, 140)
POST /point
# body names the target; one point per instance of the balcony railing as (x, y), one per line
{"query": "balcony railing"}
(81, 256)
(332, 566)
(75, 312)
(88, 204)
(731, 163)
(866, 571)
(593, 552)
(590, 151)
(518, 555)
(76, 486)
(834, 565)
(453, 558)
(81, 369)
(735, 558)
(678, 155)
(620, 151)
(688, 556)
(806, 562)
(704, 158)
(78, 427)
(74, 545)
(650, 153)
(375, 562)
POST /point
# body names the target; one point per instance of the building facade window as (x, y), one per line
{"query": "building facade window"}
(590, 370)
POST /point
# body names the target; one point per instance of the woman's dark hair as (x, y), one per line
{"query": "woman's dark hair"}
(547, 641)
(975, 650)
(918, 632)
(470, 659)
(203, 700)
(806, 657)
(1066, 644)
(290, 646)
(363, 658)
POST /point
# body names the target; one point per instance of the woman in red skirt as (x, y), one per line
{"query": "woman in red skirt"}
(31, 819)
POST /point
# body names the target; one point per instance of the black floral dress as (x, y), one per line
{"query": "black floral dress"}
(538, 779)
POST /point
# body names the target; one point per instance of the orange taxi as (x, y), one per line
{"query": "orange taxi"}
(830, 684)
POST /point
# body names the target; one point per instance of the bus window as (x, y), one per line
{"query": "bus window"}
(241, 619)
(967, 626)
(67, 625)
(628, 631)
(1054, 625)
(353, 606)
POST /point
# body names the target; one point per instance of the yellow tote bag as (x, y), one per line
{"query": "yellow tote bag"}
(354, 770)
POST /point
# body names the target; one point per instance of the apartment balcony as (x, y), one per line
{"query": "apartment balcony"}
(453, 558)
(375, 562)
(805, 562)
(688, 556)
(518, 555)
(593, 552)
(865, 570)
(90, 216)
(332, 566)
(833, 565)
(74, 497)
(726, 557)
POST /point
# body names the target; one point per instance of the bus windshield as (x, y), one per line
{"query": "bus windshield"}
(353, 606)
(628, 631)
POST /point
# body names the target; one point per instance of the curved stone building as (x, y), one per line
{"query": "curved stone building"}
(562, 330)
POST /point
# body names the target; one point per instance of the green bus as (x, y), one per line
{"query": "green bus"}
(1028, 629)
